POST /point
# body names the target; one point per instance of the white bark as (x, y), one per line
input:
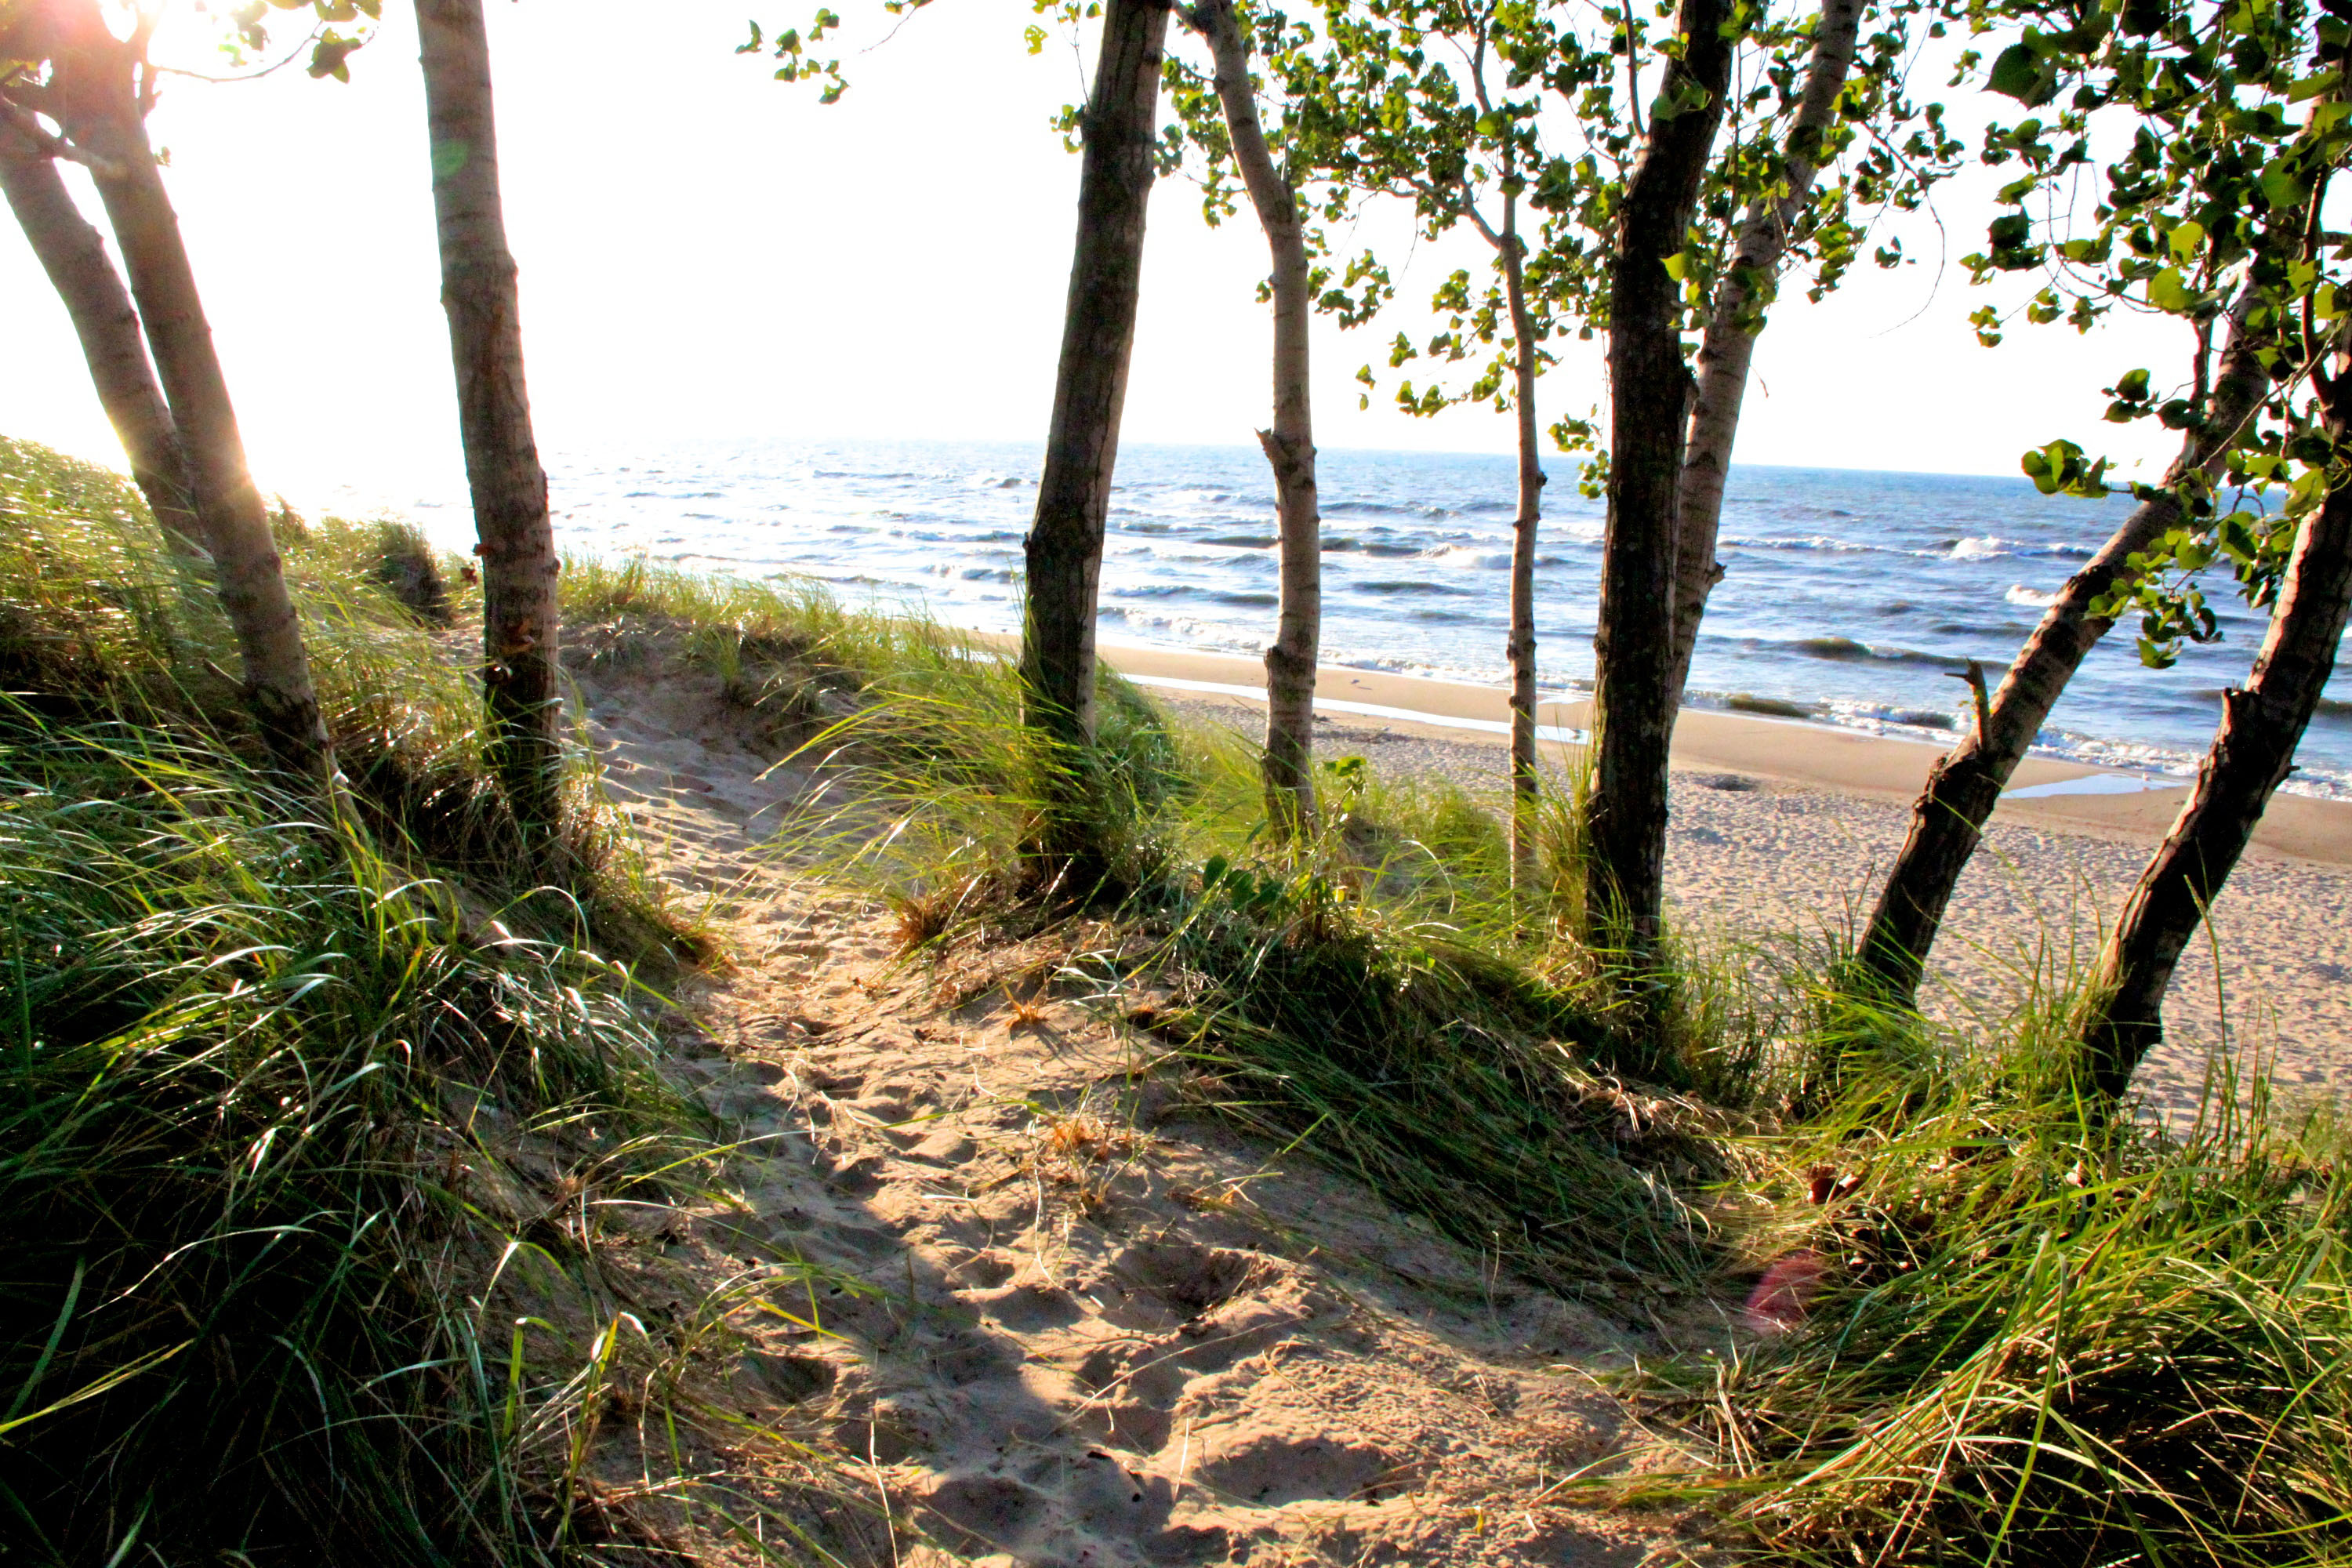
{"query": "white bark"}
(1290, 444)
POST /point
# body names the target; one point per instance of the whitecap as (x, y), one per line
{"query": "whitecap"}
(1469, 555)
(2031, 599)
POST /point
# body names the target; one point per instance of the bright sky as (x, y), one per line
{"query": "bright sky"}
(705, 251)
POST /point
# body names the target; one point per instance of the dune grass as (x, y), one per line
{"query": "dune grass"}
(1994, 1325)
(318, 1132)
(263, 1080)
(99, 619)
(1374, 989)
(2000, 1325)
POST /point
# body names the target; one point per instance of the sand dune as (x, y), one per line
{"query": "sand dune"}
(1061, 1320)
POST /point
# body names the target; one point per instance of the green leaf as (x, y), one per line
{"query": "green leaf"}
(2282, 188)
(2313, 85)
(2168, 291)
(2020, 72)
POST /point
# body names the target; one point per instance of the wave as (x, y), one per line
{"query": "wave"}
(1769, 706)
(1414, 587)
(2029, 598)
(1241, 541)
(1803, 541)
(944, 536)
(1991, 546)
(1247, 601)
(1469, 555)
(1845, 650)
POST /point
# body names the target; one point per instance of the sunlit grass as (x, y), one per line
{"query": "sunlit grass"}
(310, 1117)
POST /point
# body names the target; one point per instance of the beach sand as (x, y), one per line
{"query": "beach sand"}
(1039, 1300)
(1067, 1318)
(1798, 842)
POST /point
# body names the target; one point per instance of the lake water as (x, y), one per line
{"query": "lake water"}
(1850, 595)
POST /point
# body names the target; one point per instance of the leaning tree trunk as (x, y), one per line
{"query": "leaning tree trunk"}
(1289, 445)
(1649, 399)
(520, 619)
(1521, 648)
(1965, 784)
(98, 103)
(2261, 724)
(1729, 347)
(1064, 550)
(74, 255)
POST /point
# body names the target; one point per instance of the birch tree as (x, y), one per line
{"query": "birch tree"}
(73, 254)
(97, 90)
(2231, 124)
(1117, 128)
(1776, 219)
(1562, 121)
(1289, 441)
(2263, 721)
(1773, 141)
(1434, 101)
(520, 616)
(1116, 132)
(1633, 696)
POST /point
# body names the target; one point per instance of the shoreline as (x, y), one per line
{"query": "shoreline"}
(2047, 792)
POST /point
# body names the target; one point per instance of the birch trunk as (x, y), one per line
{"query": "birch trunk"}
(1729, 349)
(1649, 399)
(1965, 785)
(521, 618)
(2261, 724)
(1064, 550)
(74, 255)
(99, 103)
(1521, 648)
(1289, 446)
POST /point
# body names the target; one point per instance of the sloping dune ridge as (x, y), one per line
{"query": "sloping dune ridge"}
(1066, 1322)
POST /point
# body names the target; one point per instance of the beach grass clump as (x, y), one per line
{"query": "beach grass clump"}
(1453, 1080)
(331, 1146)
(1997, 1324)
(933, 790)
(293, 1138)
(102, 618)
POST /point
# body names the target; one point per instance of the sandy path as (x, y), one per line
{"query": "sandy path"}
(1775, 858)
(1066, 1323)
